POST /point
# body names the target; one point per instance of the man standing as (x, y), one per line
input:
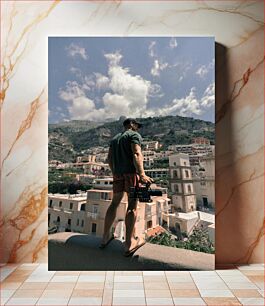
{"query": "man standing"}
(126, 163)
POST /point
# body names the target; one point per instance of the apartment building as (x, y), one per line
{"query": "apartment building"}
(150, 145)
(64, 210)
(86, 213)
(157, 173)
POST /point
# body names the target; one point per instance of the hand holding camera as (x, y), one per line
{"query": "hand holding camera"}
(146, 179)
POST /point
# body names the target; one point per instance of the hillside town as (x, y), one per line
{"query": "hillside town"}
(184, 173)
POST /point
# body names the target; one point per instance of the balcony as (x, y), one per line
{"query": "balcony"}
(67, 210)
(92, 215)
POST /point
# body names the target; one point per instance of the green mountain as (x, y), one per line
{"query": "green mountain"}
(68, 139)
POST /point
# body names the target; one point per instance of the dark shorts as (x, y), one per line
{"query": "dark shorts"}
(123, 182)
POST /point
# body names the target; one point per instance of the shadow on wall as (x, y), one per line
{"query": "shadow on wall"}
(227, 223)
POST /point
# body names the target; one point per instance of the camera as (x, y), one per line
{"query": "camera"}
(144, 193)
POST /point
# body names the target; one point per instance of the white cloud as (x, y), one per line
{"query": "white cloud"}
(75, 50)
(173, 43)
(151, 49)
(208, 98)
(113, 58)
(102, 82)
(157, 67)
(187, 106)
(128, 94)
(81, 107)
(71, 91)
(203, 70)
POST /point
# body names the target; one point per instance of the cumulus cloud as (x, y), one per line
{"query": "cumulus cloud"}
(74, 50)
(187, 106)
(157, 67)
(208, 98)
(151, 49)
(127, 94)
(173, 43)
(113, 58)
(102, 82)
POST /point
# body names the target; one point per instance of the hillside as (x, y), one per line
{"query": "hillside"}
(68, 139)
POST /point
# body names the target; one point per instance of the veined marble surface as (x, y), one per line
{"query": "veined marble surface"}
(238, 28)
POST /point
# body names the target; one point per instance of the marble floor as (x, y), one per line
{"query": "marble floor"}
(33, 284)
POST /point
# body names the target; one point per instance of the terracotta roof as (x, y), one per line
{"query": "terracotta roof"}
(155, 231)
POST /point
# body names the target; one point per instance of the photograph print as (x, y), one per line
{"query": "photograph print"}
(131, 161)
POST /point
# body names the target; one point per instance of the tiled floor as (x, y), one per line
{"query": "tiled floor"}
(33, 284)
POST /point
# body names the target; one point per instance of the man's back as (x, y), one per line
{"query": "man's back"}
(122, 156)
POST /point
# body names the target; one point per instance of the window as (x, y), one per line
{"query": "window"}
(187, 173)
(82, 223)
(71, 205)
(95, 208)
(149, 224)
(58, 219)
(94, 228)
(189, 188)
(177, 188)
(185, 163)
(77, 222)
(175, 173)
(83, 207)
(106, 183)
(104, 196)
(50, 203)
(69, 221)
(175, 163)
(60, 204)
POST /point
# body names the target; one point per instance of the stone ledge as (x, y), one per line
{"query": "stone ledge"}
(80, 252)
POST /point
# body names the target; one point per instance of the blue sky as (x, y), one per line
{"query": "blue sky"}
(103, 78)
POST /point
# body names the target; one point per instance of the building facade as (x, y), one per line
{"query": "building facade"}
(181, 183)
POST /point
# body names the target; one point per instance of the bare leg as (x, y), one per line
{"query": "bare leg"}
(111, 215)
(130, 219)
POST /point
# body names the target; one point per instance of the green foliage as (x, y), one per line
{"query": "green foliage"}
(59, 182)
(67, 140)
(199, 241)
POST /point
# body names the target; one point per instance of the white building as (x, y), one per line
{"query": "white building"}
(86, 213)
(149, 157)
(64, 210)
(181, 183)
(150, 145)
(187, 222)
(88, 158)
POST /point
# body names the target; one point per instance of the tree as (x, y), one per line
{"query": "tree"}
(198, 241)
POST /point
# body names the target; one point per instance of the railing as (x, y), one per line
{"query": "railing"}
(67, 210)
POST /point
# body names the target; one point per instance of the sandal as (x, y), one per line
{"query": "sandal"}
(103, 245)
(130, 252)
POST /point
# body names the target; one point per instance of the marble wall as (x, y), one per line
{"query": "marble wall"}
(238, 27)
